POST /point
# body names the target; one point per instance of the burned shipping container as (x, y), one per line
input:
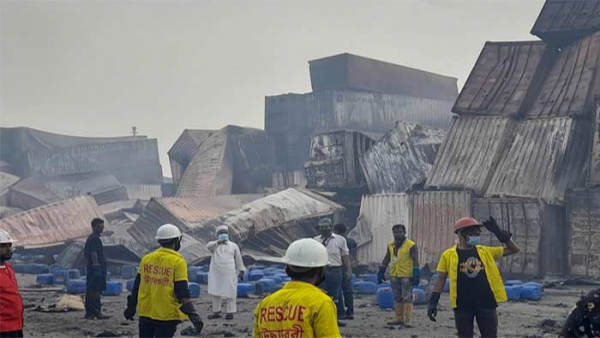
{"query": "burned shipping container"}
(583, 210)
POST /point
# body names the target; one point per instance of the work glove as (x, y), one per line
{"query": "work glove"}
(129, 312)
(190, 311)
(381, 274)
(416, 278)
(502, 235)
(432, 308)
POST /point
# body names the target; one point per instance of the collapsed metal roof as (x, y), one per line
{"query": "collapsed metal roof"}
(102, 185)
(31, 193)
(184, 149)
(562, 20)
(402, 158)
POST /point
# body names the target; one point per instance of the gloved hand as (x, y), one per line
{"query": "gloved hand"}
(502, 235)
(129, 312)
(432, 308)
(416, 278)
(381, 274)
(190, 311)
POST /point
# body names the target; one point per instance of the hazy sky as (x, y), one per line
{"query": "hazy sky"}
(99, 67)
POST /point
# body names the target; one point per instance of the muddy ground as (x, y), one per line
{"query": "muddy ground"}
(520, 319)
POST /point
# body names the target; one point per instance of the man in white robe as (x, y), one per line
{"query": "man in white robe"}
(225, 261)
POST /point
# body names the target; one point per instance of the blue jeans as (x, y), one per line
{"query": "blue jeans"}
(346, 297)
(333, 282)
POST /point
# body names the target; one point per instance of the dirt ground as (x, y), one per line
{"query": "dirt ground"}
(517, 319)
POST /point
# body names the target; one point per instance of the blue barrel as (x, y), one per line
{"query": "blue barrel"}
(266, 285)
(385, 298)
(419, 297)
(244, 289)
(513, 292)
(44, 279)
(531, 292)
(353, 279)
(447, 285)
(53, 267)
(385, 284)
(369, 277)
(256, 267)
(202, 277)
(280, 272)
(194, 290)
(113, 289)
(61, 276)
(365, 288)
(256, 275)
(277, 279)
(269, 272)
(36, 269)
(76, 286)
(129, 271)
(193, 274)
(130, 284)
(513, 282)
(19, 268)
(539, 285)
(74, 274)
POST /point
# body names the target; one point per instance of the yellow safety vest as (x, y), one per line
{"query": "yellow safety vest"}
(401, 265)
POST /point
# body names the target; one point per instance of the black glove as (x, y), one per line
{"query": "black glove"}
(190, 311)
(502, 235)
(432, 308)
(130, 310)
(381, 274)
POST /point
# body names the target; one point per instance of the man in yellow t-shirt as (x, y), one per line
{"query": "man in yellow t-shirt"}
(300, 309)
(161, 291)
(476, 286)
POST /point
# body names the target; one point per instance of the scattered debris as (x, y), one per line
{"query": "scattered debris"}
(63, 304)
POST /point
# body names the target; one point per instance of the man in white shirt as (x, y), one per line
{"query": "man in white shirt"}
(339, 257)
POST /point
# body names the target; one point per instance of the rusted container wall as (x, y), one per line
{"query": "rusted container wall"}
(373, 231)
(432, 221)
(562, 20)
(184, 149)
(253, 161)
(30, 193)
(583, 208)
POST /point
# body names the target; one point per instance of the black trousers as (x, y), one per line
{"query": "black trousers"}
(93, 306)
(12, 334)
(346, 299)
(150, 328)
(487, 321)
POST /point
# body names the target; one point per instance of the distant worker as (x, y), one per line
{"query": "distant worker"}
(160, 292)
(402, 256)
(96, 271)
(339, 257)
(225, 261)
(476, 286)
(584, 319)
(11, 303)
(346, 298)
(300, 309)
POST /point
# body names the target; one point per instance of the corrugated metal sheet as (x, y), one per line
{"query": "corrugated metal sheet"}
(184, 149)
(31, 193)
(567, 90)
(9, 211)
(500, 80)
(143, 191)
(567, 19)
(355, 72)
(583, 209)
(402, 158)
(543, 159)
(432, 221)
(373, 231)
(7, 180)
(54, 223)
(289, 179)
(594, 178)
(103, 186)
(253, 161)
(470, 153)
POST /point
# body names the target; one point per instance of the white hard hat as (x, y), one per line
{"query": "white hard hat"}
(5, 237)
(168, 231)
(306, 253)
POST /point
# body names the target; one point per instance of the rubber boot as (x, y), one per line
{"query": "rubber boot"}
(399, 319)
(408, 310)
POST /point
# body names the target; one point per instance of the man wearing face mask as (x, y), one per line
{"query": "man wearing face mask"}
(225, 260)
(160, 291)
(11, 303)
(96, 271)
(476, 286)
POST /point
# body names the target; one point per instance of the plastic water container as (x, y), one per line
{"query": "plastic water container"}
(256, 267)
(365, 288)
(369, 277)
(31, 268)
(419, 297)
(352, 279)
(202, 277)
(386, 284)
(266, 285)
(513, 292)
(531, 292)
(113, 289)
(130, 284)
(539, 285)
(74, 274)
(193, 274)
(513, 282)
(244, 289)
(286, 279)
(53, 267)
(61, 276)
(277, 279)
(385, 298)
(280, 272)
(194, 290)
(256, 275)
(269, 272)
(447, 285)
(45, 279)
(76, 286)
(129, 271)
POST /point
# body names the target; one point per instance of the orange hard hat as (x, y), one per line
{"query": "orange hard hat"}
(465, 223)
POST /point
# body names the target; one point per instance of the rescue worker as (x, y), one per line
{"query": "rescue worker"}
(225, 260)
(300, 309)
(402, 256)
(584, 319)
(346, 298)
(476, 286)
(11, 303)
(96, 271)
(160, 292)
(339, 257)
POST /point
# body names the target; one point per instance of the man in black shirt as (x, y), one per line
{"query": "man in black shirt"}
(346, 299)
(96, 271)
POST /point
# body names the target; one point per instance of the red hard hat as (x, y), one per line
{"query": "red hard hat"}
(465, 223)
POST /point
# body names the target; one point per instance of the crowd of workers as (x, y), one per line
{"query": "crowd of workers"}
(319, 294)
